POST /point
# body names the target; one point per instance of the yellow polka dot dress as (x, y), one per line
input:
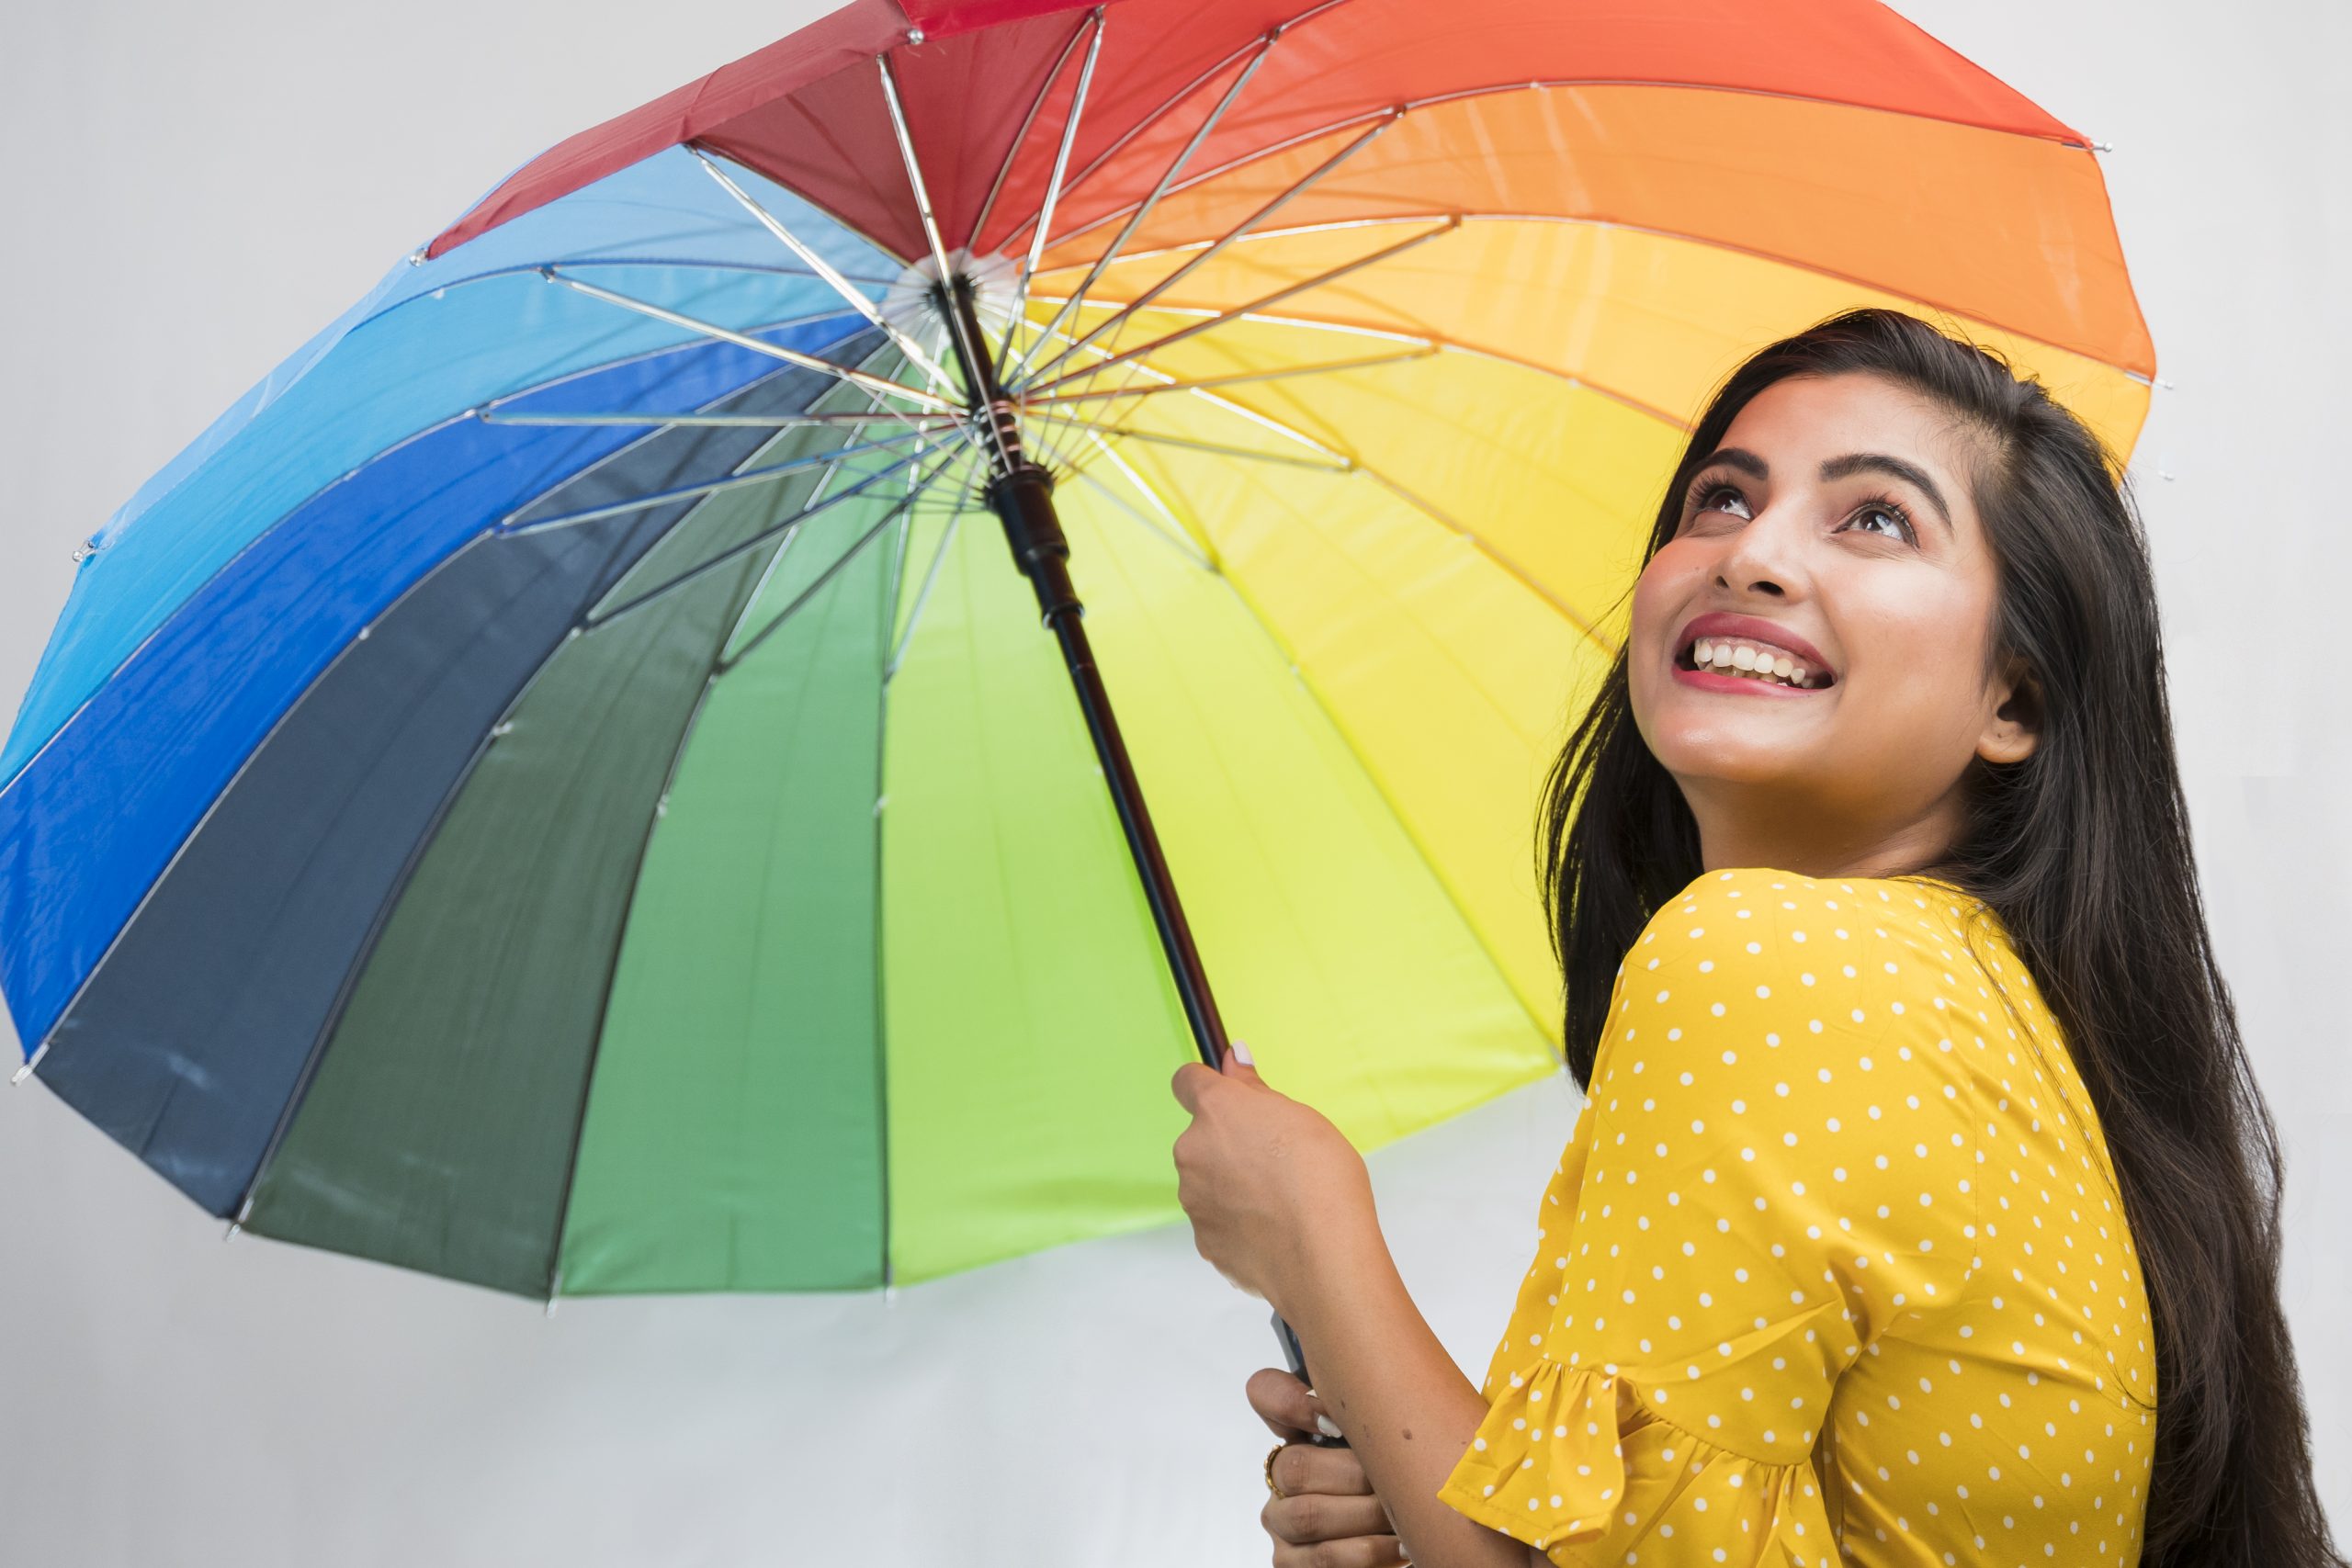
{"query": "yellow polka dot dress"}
(1834, 1268)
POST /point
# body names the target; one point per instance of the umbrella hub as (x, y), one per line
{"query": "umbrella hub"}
(912, 302)
(1020, 490)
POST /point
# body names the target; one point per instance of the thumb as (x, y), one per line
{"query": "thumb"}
(1237, 1062)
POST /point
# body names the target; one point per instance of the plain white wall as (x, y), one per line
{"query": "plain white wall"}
(190, 191)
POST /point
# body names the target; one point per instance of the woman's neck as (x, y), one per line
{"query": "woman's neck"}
(1739, 826)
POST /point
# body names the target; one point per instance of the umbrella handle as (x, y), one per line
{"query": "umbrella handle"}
(1295, 1355)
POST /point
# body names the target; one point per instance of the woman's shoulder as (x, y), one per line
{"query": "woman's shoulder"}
(1822, 965)
(1784, 918)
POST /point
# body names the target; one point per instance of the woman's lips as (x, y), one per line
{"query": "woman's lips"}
(1708, 681)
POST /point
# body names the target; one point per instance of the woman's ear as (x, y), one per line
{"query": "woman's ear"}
(2014, 727)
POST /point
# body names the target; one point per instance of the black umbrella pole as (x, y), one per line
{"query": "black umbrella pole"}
(1020, 492)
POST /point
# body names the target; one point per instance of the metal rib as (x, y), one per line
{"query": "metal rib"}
(1037, 105)
(1336, 465)
(922, 594)
(589, 624)
(937, 421)
(1281, 199)
(1180, 540)
(1143, 210)
(506, 529)
(872, 383)
(1236, 378)
(1045, 220)
(839, 561)
(823, 268)
(898, 128)
(1447, 227)
(1239, 411)
(914, 168)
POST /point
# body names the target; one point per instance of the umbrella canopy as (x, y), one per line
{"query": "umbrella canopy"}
(562, 786)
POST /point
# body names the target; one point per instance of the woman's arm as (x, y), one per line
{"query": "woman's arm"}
(1407, 1409)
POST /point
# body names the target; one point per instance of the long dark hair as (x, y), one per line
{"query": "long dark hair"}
(2082, 851)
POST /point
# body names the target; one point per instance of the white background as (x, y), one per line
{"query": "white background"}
(190, 191)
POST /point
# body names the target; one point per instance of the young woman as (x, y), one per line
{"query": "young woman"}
(1922, 1208)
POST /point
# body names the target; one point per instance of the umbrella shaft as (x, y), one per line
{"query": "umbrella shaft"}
(1020, 492)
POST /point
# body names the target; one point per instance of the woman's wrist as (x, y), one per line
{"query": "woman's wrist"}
(1340, 1258)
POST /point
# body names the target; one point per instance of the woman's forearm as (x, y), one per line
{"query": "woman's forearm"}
(1407, 1409)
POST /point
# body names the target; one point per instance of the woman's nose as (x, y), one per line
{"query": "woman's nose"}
(1765, 555)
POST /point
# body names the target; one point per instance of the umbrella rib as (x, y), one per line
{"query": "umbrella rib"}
(1045, 218)
(816, 495)
(1169, 104)
(751, 542)
(1167, 175)
(776, 559)
(1037, 107)
(1281, 199)
(968, 351)
(922, 594)
(930, 576)
(1341, 463)
(1056, 399)
(1447, 226)
(935, 421)
(507, 525)
(914, 166)
(871, 382)
(856, 546)
(1184, 545)
(823, 268)
(1466, 94)
(1237, 409)
(1336, 465)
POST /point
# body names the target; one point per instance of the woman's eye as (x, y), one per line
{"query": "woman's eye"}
(1724, 494)
(1896, 528)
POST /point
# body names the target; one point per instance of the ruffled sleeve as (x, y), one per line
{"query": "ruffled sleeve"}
(1568, 1461)
(1776, 1162)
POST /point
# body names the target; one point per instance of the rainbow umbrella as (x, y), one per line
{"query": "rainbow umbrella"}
(564, 785)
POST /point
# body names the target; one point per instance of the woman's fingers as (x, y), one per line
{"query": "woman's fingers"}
(1303, 1468)
(1363, 1551)
(1305, 1517)
(1282, 1402)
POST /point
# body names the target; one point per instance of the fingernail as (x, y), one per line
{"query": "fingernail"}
(1327, 1426)
(1241, 1054)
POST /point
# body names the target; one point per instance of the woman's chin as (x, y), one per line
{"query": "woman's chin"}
(1755, 747)
(1722, 755)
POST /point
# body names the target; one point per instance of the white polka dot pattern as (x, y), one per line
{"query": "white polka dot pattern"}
(1832, 1269)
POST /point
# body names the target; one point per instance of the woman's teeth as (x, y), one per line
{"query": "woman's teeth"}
(1765, 664)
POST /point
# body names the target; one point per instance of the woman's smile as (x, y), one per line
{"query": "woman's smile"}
(1745, 655)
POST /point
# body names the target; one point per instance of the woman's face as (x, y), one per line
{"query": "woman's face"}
(1830, 540)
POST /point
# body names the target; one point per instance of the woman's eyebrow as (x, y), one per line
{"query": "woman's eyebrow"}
(1755, 467)
(1894, 468)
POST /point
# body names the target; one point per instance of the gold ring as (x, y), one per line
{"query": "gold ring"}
(1269, 1469)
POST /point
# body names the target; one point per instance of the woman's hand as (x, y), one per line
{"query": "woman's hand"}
(1326, 1515)
(1263, 1177)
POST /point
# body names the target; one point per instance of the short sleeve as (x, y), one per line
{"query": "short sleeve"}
(1780, 1164)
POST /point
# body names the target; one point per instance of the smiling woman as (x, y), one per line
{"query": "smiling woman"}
(1955, 563)
(1923, 1207)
